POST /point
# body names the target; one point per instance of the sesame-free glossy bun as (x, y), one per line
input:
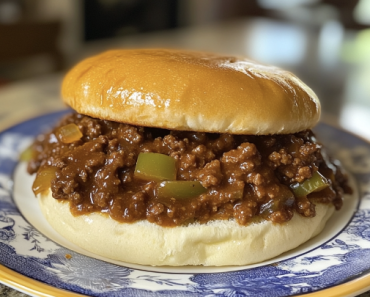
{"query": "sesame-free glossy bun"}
(185, 90)
(217, 243)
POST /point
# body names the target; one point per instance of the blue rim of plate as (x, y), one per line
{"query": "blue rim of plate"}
(344, 258)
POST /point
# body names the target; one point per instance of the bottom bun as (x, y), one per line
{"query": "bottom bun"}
(217, 243)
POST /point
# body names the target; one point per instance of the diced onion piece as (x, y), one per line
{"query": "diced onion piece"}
(43, 180)
(180, 190)
(69, 133)
(27, 154)
(314, 184)
(285, 200)
(155, 167)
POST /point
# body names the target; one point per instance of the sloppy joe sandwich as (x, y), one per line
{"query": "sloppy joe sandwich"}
(176, 157)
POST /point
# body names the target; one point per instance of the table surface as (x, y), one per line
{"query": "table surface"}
(344, 104)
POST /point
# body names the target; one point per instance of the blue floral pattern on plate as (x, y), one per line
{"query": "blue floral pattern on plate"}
(344, 257)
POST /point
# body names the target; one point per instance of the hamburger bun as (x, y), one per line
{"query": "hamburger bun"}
(190, 91)
(217, 243)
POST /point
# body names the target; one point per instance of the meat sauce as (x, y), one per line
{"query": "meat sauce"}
(96, 173)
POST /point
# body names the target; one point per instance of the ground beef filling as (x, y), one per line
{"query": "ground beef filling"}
(96, 173)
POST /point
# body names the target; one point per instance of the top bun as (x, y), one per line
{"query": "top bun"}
(195, 91)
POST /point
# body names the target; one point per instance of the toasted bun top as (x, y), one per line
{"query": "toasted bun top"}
(185, 90)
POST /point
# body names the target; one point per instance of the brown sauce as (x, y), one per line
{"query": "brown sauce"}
(96, 173)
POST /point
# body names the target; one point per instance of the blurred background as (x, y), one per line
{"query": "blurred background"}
(325, 42)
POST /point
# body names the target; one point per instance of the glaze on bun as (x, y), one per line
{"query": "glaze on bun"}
(191, 91)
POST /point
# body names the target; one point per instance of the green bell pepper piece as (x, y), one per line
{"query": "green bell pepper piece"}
(155, 167)
(180, 190)
(314, 184)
